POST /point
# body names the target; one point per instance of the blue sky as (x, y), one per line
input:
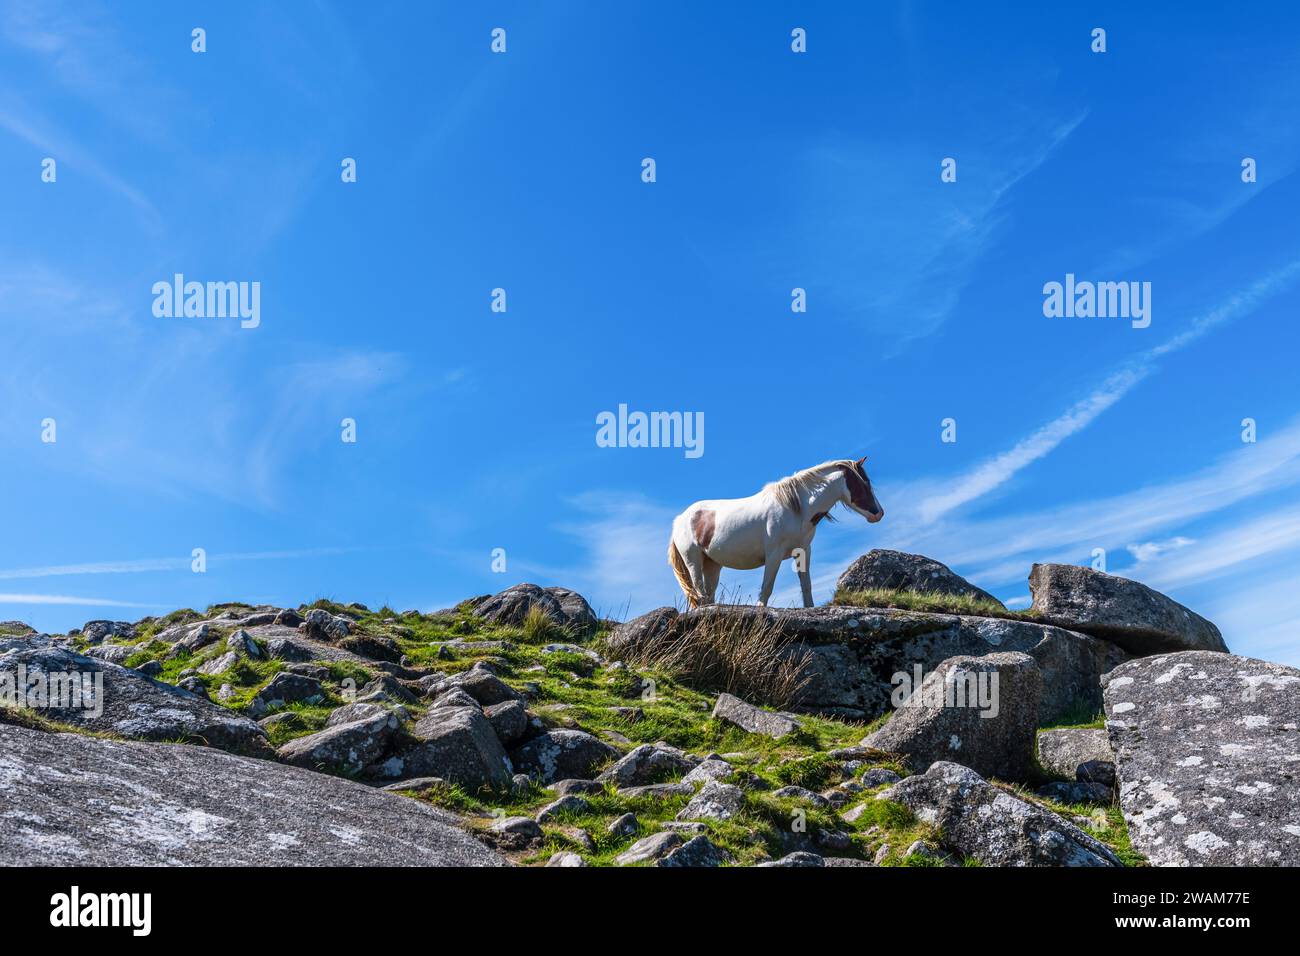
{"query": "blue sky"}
(522, 170)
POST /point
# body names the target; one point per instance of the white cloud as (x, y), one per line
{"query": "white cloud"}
(66, 599)
(146, 565)
(1148, 550)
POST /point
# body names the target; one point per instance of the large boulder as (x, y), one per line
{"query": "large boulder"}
(509, 719)
(288, 688)
(70, 799)
(479, 682)
(456, 744)
(130, 704)
(642, 632)
(561, 606)
(319, 624)
(376, 647)
(343, 748)
(978, 820)
(900, 571)
(852, 655)
(189, 637)
(651, 848)
(648, 763)
(1206, 750)
(561, 755)
(113, 653)
(1132, 615)
(1077, 753)
(96, 631)
(714, 801)
(982, 711)
(753, 719)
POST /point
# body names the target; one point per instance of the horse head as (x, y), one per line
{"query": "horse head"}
(858, 493)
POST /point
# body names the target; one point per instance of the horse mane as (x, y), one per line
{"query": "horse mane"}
(789, 491)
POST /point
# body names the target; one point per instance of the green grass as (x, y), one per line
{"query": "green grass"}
(1081, 716)
(31, 720)
(929, 601)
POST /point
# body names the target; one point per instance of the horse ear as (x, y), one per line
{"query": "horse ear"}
(860, 461)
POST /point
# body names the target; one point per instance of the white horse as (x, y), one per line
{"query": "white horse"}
(765, 529)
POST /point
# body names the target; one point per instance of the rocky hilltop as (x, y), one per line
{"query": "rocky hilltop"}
(914, 721)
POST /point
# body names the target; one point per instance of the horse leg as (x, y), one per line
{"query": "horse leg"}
(770, 567)
(803, 565)
(805, 585)
(712, 572)
(697, 563)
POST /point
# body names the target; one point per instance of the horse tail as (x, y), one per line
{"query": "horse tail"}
(693, 597)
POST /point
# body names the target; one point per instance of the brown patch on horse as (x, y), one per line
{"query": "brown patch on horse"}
(819, 515)
(702, 523)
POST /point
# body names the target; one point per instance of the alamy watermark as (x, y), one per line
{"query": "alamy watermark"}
(53, 690)
(1103, 300)
(959, 688)
(651, 430)
(208, 300)
(75, 908)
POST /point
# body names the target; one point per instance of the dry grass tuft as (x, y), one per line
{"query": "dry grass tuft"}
(744, 656)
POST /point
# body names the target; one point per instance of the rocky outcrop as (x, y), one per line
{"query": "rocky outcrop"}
(899, 571)
(70, 799)
(1206, 750)
(979, 711)
(853, 655)
(319, 624)
(1132, 615)
(1195, 770)
(1077, 753)
(131, 704)
(457, 744)
(562, 607)
(978, 820)
(96, 632)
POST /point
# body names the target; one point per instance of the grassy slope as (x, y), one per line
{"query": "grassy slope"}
(568, 689)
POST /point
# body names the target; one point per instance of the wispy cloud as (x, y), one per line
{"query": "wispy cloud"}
(71, 155)
(624, 539)
(1272, 534)
(995, 472)
(923, 246)
(995, 550)
(147, 565)
(985, 477)
(67, 599)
